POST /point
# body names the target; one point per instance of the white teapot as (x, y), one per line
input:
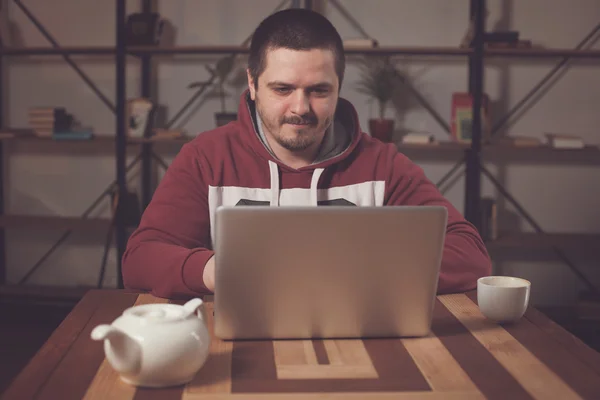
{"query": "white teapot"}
(156, 345)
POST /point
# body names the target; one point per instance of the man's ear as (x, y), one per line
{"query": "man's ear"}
(251, 85)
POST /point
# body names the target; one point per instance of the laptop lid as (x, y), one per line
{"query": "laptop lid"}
(326, 272)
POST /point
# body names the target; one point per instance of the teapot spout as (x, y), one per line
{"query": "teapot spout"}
(102, 332)
(122, 352)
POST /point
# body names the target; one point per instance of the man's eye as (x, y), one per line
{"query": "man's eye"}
(320, 91)
(282, 90)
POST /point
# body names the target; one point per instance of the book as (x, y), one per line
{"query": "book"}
(520, 141)
(564, 141)
(360, 43)
(419, 138)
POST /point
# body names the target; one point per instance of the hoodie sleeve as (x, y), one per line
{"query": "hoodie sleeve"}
(167, 252)
(465, 257)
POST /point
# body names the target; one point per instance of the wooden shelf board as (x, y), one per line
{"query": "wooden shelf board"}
(71, 50)
(444, 149)
(229, 49)
(532, 241)
(105, 138)
(496, 152)
(441, 146)
(52, 222)
(210, 49)
(589, 155)
(25, 135)
(540, 52)
(409, 50)
(180, 141)
(39, 292)
(388, 50)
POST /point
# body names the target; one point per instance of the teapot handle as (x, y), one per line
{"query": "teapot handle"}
(192, 305)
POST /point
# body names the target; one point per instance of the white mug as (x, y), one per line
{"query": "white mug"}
(503, 298)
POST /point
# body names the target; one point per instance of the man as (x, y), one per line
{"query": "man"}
(296, 142)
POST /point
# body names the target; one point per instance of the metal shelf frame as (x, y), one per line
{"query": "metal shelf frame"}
(471, 155)
(474, 167)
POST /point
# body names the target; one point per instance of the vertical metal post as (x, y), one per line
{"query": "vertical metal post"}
(4, 13)
(146, 88)
(473, 172)
(120, 135)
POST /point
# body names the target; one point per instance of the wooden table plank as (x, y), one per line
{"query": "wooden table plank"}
(441, 370)
(107, 385)
(570, 368)
(484, 370)
(563, 338)
(215, 374)
(539, 380)
(75, 372)
(294, 352)
(30, 380)
(321, 355)
(254, 370)
(343, 396)
(298, 360)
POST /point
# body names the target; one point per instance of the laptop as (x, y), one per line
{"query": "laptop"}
(326, 272)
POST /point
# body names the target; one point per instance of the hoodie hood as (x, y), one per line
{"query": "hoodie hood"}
(339, 142)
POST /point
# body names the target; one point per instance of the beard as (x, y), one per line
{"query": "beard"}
(291, 138)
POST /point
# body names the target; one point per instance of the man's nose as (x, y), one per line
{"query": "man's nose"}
(300, 103)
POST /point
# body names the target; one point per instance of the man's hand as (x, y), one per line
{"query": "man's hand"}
(209, 274)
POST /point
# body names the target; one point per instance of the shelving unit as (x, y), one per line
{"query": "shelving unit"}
(476, 155)
(52, 222)
(473, 155)
(219, 49)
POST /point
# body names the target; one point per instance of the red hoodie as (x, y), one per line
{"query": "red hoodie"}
(231, 165)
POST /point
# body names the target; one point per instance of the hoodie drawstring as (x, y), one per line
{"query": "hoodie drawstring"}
(314, 182)
(274, 184)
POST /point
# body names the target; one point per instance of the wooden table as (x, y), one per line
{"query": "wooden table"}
(465, 357)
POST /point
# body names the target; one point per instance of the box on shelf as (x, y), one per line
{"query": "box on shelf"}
(462, 117)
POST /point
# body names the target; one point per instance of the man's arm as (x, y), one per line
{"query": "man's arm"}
(465, 257)
(168, 252)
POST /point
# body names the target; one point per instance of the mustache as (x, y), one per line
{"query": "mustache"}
(307, 119)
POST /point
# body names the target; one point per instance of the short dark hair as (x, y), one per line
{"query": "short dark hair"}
(295, 29)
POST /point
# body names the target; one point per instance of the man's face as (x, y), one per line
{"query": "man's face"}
(296, 97)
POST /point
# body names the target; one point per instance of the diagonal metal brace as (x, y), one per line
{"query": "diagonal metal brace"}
(541, 83)
(350, 18)
(162, 162)
(206, 84)
(85, 214)
(424, 103)
(451, 172)
(68, 59)
(537, 227)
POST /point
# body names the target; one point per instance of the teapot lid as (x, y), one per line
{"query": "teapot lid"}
(157, 313)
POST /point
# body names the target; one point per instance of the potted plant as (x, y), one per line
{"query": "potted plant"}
(378, 80)
(221, 72)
